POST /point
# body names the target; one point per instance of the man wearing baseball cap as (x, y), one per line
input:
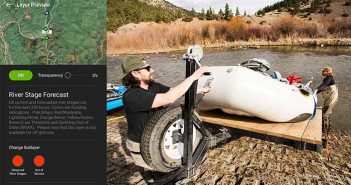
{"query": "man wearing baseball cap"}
(143, 96)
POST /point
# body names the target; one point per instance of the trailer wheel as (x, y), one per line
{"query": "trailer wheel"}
(162, 139)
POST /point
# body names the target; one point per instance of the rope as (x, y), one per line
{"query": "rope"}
(326, 123)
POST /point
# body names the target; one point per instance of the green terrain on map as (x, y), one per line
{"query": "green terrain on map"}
(78, 32)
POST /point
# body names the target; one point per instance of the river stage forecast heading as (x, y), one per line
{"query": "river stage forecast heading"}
(37, 95)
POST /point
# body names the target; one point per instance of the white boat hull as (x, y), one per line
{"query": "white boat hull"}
(242, 91)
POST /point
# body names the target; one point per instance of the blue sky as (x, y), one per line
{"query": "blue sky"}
(250, 6)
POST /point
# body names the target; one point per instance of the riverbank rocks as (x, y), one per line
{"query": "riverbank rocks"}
(242, 160)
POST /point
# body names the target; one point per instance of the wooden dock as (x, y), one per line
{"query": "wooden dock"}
(305, 132)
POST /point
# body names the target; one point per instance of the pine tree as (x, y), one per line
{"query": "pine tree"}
(220, 14)
(295, 9)
(178, 14)
(193, 12)
(289, 4)
(158, 18)
(237, 12)
(316, 3)
(228, 14)
(209, 14)
(202, 14)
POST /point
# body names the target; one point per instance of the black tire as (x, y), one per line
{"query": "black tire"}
(152, 139)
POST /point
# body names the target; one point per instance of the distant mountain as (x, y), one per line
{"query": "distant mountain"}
(122, 12)
(301, 6)
(316, 11)
(161, 3)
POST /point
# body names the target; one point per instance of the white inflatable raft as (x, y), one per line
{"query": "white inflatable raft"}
(242, 91)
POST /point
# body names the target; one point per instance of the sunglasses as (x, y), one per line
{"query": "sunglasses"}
(147, 68)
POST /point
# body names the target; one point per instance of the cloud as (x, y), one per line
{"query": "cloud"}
(250, 6)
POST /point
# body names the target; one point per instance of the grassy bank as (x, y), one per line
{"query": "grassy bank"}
(239, 32)
(242, 44)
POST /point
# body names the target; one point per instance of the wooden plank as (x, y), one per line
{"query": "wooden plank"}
(256, 125)
(313, 132)
(292, 131)
(279, 129)
(296, 131)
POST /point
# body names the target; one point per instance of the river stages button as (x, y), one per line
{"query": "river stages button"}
(20, 75)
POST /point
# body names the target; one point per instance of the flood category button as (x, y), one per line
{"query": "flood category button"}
(17, 161)
(39, 161)
(20, 75)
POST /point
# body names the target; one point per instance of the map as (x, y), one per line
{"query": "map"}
(52, 32)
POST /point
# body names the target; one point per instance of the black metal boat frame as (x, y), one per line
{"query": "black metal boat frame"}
(192, 160)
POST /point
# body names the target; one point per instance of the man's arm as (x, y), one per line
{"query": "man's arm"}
(322, 87)
(173, 94)
(203, 90)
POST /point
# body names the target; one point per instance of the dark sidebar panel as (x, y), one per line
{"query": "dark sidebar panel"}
(53, 124)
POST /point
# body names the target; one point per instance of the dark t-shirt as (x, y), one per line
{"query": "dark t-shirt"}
(137, 104)
(327, 81)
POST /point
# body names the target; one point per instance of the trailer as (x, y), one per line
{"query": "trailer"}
(177, 138)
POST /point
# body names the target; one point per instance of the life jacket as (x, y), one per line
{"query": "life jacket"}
(292, 78)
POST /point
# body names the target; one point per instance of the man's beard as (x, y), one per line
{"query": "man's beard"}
(150, 80)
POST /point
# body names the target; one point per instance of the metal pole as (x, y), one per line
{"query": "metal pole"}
(188, 120)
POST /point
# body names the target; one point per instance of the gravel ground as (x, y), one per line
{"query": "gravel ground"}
(242, 160)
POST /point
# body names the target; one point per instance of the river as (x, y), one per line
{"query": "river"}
(306, 62)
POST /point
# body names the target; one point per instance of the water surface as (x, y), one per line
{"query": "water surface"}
(303, 61)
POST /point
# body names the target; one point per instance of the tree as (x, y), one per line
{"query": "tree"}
(220, 14)
(193, 12)
(166, 18)
(260, 13)
(315, 3)
(178, 14)
(202, 14)
(237, 12)
(295, 9)
(228, 14)
(289, 4)
(209, 14)
(158, 18)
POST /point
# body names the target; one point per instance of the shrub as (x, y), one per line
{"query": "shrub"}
(340, 27)
(307, 30)
(285, 26)
(325, 10)
(187, 19)
(260, 32)
(289, 26)
(236, 29)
